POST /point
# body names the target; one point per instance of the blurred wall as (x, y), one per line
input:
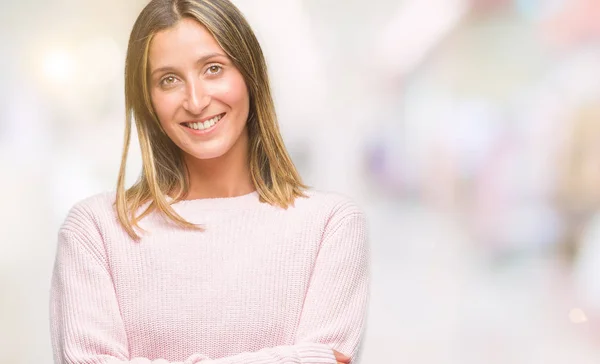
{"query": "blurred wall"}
(468, 130)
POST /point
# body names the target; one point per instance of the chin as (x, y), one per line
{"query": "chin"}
(230, 146)
(207, 154)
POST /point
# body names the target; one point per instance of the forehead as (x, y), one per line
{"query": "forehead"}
(187, 40)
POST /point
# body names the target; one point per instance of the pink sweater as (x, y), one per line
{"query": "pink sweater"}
(261, 285)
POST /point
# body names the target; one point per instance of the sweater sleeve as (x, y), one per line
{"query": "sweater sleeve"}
(335, 306)
(86, 323)
(86, 326)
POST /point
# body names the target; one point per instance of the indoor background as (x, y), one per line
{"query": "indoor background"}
(469, 131)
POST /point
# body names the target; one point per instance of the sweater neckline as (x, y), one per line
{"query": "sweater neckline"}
(234, 202)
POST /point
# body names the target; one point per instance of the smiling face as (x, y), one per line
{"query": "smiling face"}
(199, 96)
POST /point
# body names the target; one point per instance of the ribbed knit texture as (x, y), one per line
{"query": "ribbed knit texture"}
(261, 285)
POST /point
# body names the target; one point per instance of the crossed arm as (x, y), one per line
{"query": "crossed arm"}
(331, 323)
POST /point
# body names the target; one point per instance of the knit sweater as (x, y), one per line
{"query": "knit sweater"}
(260, 284)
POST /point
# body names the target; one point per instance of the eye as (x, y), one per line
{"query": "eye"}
(214, 69)
(168, 81)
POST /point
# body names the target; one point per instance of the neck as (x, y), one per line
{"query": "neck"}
(225, 176)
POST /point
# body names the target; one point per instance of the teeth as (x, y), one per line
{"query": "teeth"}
(205, 125)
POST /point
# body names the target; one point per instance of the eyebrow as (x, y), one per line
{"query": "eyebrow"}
(200, 60)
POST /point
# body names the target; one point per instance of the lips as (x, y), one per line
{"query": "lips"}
(203, 123)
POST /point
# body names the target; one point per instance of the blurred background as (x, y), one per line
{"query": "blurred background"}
(468, 130)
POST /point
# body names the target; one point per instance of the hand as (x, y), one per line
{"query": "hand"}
(341, 358)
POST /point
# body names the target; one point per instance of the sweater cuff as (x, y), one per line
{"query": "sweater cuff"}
(196, 359)
(310, 353)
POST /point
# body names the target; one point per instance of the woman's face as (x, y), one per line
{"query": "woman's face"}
(199, 96)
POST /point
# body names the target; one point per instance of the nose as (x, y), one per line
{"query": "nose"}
(197, 97)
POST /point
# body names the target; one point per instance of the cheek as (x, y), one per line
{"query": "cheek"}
(235, 94)
(164, 105)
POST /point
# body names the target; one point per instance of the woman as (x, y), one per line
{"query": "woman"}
(218, 254)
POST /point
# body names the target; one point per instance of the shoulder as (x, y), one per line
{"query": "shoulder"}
(333, 201)
(90, 213)
(344, 221)
(333, 206)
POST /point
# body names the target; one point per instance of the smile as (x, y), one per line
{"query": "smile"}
(201, 125)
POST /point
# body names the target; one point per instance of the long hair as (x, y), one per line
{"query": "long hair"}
(163, 169)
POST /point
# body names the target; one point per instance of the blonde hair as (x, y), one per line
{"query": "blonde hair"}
(163, 169)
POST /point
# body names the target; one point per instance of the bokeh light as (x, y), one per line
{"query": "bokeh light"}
(469, 130)
(59, 67)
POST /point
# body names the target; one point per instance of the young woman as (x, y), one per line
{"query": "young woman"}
(218, 254)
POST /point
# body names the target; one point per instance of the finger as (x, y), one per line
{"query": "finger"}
(341, 357)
